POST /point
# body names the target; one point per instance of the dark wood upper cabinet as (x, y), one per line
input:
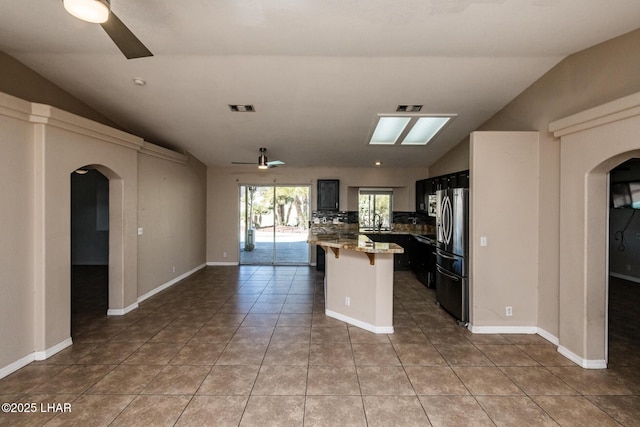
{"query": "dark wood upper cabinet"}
(328, 194)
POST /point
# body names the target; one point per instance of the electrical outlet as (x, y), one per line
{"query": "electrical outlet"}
(483, 241)
(509, 310)
(224, 254)
(628, 267)
(347, 301)
(174, 268)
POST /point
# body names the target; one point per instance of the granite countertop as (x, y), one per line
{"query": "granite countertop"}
(354, 242)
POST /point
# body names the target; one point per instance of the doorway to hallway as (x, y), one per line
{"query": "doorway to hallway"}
(274, 223)
(89, 247)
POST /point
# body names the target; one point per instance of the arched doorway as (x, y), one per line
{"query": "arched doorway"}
(89, 246)
(624, 268)
(592, 143)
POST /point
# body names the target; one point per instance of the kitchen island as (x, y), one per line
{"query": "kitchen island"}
(358, 280)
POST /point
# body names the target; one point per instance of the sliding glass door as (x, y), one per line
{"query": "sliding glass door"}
(274, 221)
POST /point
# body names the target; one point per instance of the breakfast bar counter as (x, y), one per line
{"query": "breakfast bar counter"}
(358, 280)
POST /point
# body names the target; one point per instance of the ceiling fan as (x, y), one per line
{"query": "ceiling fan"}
(262, 161)
(99, 12)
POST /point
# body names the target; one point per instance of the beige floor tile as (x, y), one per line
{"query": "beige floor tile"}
(384, 380)
(229, 380)
(361, 336)
(91, 409)
(463, 355)
(29, 377)
(126, 379)
(343, 411)
(455, 411)
(198, 353)
(375, 354)
(287, 354)
(419, 354)
(253, 334)
(268, 320)
(291, 334)
(74, 379)
(410, 335)
(242, 354)
(394, 411)
(294, 319)
(154, 354)
(486, 381)
(526, 339)
(592, 381)
(152, 411)
(546, 355)
(71, 354)
(110, 353)
(281, 381)
(175, 379)
(329, 334)
(538, 381)
(274, 411)
(506, 355)
(332, 380)
(574, 411)
(175, 333)
(218, 411)
(328, 353)
(214, 334)
(435, 380)
(510, 411)
(624, 409)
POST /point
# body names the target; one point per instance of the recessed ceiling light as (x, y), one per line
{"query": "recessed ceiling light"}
(139, 82)
(388, 130)
(378, 163)
(425, 129)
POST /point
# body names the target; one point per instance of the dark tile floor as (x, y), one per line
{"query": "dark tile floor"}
(251, 346)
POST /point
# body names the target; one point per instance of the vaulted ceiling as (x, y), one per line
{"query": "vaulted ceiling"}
(317, 71)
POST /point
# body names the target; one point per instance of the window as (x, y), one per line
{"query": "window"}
(375, 208)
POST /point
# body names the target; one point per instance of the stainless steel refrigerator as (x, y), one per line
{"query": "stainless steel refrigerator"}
(452, 227)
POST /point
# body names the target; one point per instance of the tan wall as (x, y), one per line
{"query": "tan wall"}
(16, 220)
(22, 82)
(172, 212)
(41, 147)
(503, 207)
(583, 80)
(223, 196)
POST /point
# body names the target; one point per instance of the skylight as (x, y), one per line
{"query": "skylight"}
(388, 130)
(410, 129)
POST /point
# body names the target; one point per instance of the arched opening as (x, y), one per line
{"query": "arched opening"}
(89, 247)
(624, 268)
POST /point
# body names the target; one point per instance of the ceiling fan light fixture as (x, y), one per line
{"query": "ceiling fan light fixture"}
(94, 11)
(262, 160)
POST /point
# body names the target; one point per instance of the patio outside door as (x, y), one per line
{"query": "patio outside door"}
(274, 223)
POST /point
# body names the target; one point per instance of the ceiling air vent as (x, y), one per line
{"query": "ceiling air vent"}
(408, 108)
(242, 108)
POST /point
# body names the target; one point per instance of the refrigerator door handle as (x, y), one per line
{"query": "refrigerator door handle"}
(443, 255)
(444, 273)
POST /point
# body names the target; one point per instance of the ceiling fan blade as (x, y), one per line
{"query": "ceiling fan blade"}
(275, 163)
(126, 41)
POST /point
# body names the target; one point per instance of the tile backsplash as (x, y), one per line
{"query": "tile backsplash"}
(347, 221)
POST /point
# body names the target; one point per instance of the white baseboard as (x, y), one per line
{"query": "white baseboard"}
(359, 323)
(585, 363)
(122, 311)
(221, 264)
(36, 355)
(548, 336)
(503, 329)
(170, 283)
(625, 277)
(21, 363)
(42, 355)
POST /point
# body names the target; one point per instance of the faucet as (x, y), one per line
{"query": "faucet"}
(379, 226)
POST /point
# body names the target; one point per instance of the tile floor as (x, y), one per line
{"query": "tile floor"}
(251, 346)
